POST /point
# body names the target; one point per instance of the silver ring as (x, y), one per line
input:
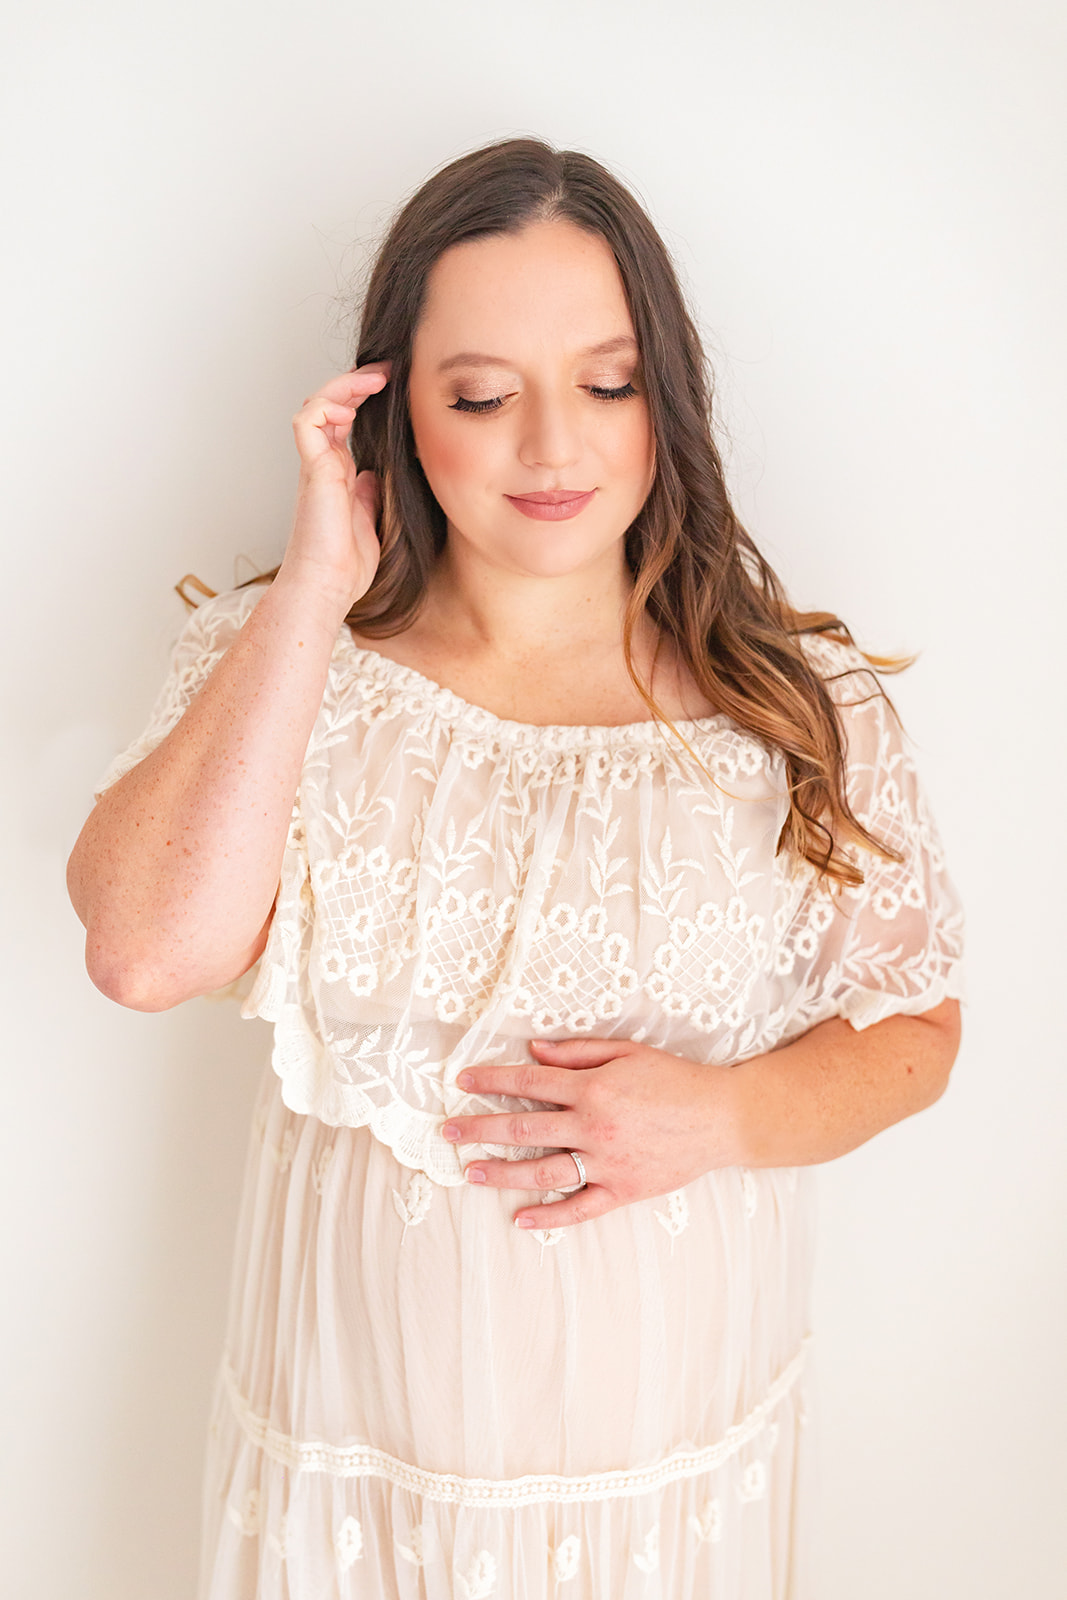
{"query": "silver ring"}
(582, 1179)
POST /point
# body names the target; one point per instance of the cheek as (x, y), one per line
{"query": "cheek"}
(449, 454)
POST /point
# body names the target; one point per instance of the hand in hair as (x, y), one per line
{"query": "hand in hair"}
(334, 544)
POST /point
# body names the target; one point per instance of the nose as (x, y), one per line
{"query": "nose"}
(550, 434)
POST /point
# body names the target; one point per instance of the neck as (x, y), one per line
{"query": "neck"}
(492, 611)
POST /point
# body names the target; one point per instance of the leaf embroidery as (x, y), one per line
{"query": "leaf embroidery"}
(648, 1560)
(246, 1520)
(321, 1169)
(708, 1525)
(675, 1219)
(566, 1557)
(413, 1207)
(753, 1481)
(413, 1552)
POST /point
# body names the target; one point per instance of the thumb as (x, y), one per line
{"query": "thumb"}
(368, 493)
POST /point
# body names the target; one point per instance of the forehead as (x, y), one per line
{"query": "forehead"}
(552, 284)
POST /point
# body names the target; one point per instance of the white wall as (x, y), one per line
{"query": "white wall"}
(866, 200)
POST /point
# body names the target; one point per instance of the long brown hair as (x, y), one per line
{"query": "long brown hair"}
(696, 572)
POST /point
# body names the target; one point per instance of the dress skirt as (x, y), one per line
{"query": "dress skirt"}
(419, 1400)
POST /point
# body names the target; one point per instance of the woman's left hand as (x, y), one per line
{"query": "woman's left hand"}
(644, 1123)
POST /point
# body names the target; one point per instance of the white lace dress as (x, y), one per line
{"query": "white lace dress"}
(418, 1399)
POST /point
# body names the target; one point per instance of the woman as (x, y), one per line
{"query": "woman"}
(592, 891)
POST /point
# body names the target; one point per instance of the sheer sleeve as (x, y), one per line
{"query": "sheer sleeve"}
(894, 944)
(205, 638)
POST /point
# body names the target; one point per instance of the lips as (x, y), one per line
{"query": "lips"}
(551, 505)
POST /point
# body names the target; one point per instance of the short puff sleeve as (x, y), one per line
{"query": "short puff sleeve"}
(893, 944)
(204, 640)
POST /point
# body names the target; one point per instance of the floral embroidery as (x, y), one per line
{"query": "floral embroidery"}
(566, 1558)
(348, 1543)
(412, 1208)
(413, 1550)
(454, 883)
(708, 1524)
(648, 1558)
(479, 1581)
(753, 1481)
(321, 1169)
(246, 1519)
(675, 1219)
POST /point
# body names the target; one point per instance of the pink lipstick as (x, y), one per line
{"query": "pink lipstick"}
(552, 505)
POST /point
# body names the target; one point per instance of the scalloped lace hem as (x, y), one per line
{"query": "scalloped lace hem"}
(364, 1461)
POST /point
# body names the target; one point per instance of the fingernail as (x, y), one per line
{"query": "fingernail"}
(465, 1080)
(542, 1044)
(475, 1174)
(450, 1131)
(524, 1222)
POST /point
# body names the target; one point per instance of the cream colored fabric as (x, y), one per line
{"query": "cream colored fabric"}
(418, 1399)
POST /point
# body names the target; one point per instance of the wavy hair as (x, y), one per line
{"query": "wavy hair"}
(696, 572)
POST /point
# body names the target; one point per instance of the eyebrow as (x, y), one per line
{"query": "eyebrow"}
(472, 358)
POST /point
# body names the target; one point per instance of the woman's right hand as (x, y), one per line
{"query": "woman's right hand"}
(334, 543)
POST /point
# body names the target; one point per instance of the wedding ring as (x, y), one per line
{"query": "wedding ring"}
(582, 1179)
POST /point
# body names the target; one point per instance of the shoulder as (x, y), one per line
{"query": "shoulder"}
(848, 675)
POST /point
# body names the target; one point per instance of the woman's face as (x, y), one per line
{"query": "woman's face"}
(525, 381)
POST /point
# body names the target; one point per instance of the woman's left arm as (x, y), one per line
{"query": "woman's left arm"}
(646, 1122)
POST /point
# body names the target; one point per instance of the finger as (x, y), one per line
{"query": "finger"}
(571, 1053)
(521, 1082)
(593, 1201)
(351, 385)
(529, 1128)
(549, 1172)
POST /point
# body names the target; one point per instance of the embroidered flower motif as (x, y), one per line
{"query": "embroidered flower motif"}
(363, 978)
(246, 1519)
(753, 1481)
(648, 1559)
(348, 1543)
(320, 1170)
(885, 904)
(675, 1219)
(277, 1542)
(707, 1526)
(451, 1007)
(479, 1580)
(359, 924)
(282, 1153)
(413, 1551)
(566, 1558)
(412, 1208)
(704, 1017)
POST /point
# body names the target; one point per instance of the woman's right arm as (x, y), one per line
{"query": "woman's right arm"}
(174, 874)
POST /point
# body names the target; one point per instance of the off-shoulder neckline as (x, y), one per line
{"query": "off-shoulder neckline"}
(453, 708)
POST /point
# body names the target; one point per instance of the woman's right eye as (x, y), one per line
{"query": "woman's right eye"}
(460, 404)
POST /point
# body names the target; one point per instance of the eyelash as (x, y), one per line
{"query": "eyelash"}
(598, 393)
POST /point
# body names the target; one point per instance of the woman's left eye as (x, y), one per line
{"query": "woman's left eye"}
(460, 404)
(622, 393)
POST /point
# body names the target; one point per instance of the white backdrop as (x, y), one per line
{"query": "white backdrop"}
(866, 202)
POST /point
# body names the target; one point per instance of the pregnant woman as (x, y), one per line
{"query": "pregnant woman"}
(594, 901)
